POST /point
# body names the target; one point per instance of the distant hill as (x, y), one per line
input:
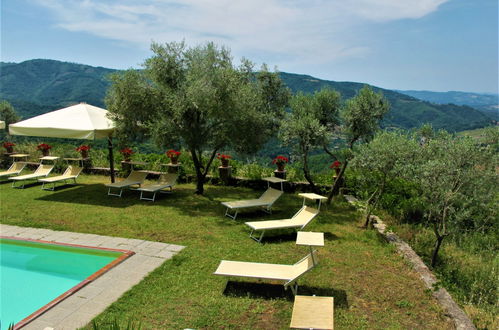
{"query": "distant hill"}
(487, 103)
(38, 86)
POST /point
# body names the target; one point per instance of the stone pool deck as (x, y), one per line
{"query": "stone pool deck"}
(85, 304)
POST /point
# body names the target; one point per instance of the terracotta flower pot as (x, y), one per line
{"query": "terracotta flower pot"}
(174, 160)
(225, 162)
(10, 149)
(84, 154)
(45, 152)
(280, 167)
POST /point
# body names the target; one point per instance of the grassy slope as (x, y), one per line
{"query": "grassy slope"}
(373, 287)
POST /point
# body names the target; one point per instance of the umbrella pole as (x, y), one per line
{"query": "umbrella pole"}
(111, 158)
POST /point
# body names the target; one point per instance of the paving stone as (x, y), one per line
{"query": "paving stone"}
(175, 248)
(74, 321)
(37, 325)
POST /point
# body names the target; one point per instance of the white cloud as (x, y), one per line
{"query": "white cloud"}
(283, 31)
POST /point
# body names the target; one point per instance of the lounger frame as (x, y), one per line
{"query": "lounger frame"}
(42, 170)
(284, 225)
(71, 173)
(165, 181)
(291, 282)
(266, 206)
(135, 178)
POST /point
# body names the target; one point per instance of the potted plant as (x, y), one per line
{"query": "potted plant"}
(224, 159)
(336, 166)
(127, 153)
(281, 162)
(83, 150)
(9, 146)
(44, 148)
(173, 155)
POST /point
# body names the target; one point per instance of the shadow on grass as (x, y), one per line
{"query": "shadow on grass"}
(27, 185)
(276, 291)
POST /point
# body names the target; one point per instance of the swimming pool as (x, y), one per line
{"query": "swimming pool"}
(36, 275)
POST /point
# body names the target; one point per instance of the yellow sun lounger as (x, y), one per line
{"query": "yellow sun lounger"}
(298, 221)
(71, 173)
(288, 274)
(136, 178)
(165, 181)
(14, 169)
(265, 201)
(41, 171)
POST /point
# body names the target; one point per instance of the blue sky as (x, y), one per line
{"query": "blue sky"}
(437, 45)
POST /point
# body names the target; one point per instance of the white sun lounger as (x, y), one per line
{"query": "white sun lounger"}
(41, 171)
(165, 181)
(14, 169)
(298, 221)
(136, 178)
(265, 201)
(71, 173)
(288, 274)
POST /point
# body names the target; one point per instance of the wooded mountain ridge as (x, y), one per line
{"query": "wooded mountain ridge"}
(37, 86)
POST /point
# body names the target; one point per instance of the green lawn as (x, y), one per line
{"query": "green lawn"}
(373, 287)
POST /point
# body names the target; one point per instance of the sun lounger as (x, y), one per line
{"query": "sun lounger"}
(71, 173)
(136, 178)
(288, 274)
(265, 201)
(14, 169)
(165, 181)
(298, 221)
(41, 171)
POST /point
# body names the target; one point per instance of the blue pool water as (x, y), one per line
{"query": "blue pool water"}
(32, 274)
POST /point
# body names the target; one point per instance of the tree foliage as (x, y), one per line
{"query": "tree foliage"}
(360, 120)
(197, 98)
(310, 124)
(386, 158)
(7, 113)
(455, 179)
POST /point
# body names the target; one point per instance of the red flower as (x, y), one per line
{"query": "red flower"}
(173, 154)
(43, 146)
(83, 148)
(222, 156)
(279, 160)
(8, 145)
(127, 151)
(335, 164)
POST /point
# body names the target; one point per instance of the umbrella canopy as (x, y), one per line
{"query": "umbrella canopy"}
(2, 124)
(81, 121)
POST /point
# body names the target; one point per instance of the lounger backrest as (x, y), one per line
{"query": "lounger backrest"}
(168, 178)
(304, 216)
(72, 171)
(43, 169)
(16, 167)
(270, 195)
(136, 176)
(303, 266)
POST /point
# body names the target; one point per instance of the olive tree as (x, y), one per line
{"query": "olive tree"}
(456, 179)
(310, 124)
(197, 98)
(387, 157)
(7, 113)
(360, 120)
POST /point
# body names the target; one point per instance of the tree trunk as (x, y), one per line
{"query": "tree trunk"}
(199, 174)
(306, 172)
(335, 189)
(434, 255)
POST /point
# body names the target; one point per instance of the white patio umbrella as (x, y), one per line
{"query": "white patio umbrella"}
(81, 121)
